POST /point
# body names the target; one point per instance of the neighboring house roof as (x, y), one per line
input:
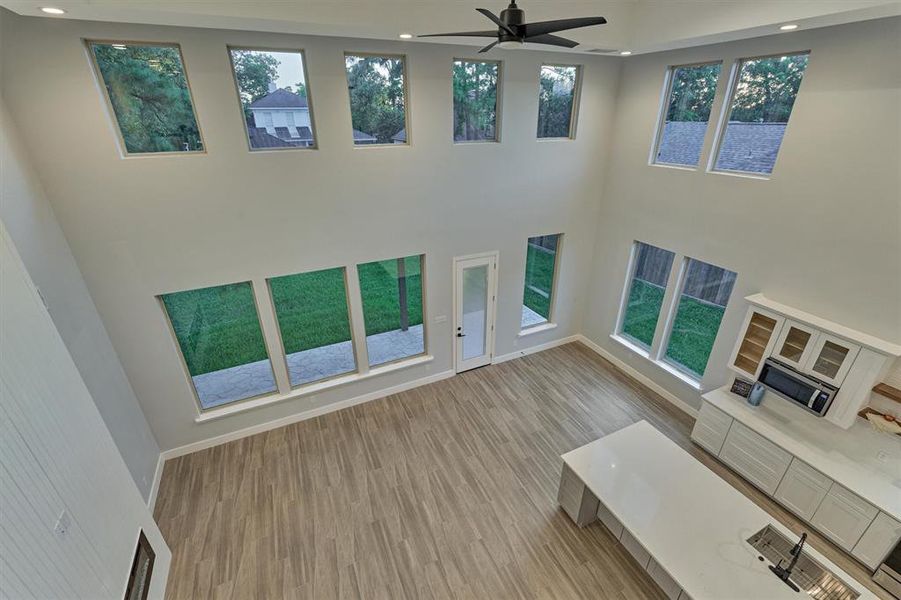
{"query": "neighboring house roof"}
(750, 146)
(260, 139)
(745, 146)
(359, 136)
(280, 98)
(400, 136)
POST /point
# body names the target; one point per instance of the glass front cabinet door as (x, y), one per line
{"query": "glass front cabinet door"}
(796, 344)
(761, 329)
(831, 359)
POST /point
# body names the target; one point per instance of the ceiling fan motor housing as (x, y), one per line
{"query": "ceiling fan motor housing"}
(514, 17)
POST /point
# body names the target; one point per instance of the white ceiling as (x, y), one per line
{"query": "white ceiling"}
(636, 25)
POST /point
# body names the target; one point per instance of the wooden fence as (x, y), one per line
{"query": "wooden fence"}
(704, 282)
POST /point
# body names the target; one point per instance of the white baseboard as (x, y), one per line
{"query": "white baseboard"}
(301, 416)
(155, 486)
(640, 377)
(533, 349)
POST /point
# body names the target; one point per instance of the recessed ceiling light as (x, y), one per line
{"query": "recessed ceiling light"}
(50, 10)
(625, 52)
(789, 27)
(405, 36)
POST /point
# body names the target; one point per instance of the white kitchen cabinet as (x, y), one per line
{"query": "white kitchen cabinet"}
(879, 538)
(796, 344)
(711, 428)
(759, 333)
(635, 549)
(831, 359)
(843, 516)
(576, 499)
(612, 523)
(759, 460)
(802, 489)
(669, 586)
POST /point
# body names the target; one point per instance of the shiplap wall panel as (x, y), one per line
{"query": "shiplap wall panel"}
(58, 455)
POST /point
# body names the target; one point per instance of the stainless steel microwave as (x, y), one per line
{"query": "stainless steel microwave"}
(807, 392)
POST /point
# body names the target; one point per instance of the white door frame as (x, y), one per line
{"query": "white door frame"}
(461, 365)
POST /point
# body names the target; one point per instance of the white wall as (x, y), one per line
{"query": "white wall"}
(823, 234)
(33, 226)
(147, 225)
(57, 457)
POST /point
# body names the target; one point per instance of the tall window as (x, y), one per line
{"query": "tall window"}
(148, 91)
(651, 268)
(703, 296)
(557, 101)
(391, 291)
(687, 111)
(538, 293)
(272, 87)
(762, 100)
(312, 314)
(218, 332)
(376, 85)
(475, 100)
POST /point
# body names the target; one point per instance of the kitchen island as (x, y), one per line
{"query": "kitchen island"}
(684, 524)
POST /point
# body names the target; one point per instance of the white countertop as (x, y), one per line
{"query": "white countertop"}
(865, 461)
(691, 521)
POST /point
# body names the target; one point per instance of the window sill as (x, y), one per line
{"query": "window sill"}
(309, 390)
(537, 329)
(674, 167)
(741, 174)
(684, 378)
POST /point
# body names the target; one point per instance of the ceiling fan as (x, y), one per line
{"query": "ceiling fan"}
(512, 30)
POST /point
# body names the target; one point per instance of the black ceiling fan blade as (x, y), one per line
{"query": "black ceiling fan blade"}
(488, 47)
(497, 21)
(543, 27)
(551, 40)
(492, 33)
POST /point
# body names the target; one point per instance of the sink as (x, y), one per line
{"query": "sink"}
(809, 575)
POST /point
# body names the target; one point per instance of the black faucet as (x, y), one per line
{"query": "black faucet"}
(785, 573)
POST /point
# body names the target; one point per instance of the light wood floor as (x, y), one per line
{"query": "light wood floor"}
(444, 491)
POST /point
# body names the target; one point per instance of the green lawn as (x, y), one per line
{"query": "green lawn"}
(694, 329)
(539, 275)
(218, 327)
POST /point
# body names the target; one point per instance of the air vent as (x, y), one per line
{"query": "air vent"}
(602, 51)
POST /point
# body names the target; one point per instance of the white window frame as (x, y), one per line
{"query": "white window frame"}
(577, 101)
(407, 102)
(498, 100)
(111, 113)
(624, 300)
(551, 322)
(669, 307)
(306, 80)
(280, 336)
(726, 110)
(664, 106)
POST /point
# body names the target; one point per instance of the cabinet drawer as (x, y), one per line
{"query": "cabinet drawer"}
(669, 586)
(843, 516)
(759, 460)
(879, 538)
(635, 549)
(711, 428)
(612, 523)
(802, 489)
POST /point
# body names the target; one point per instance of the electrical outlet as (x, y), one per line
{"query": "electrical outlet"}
(882, 456)
(62, 524)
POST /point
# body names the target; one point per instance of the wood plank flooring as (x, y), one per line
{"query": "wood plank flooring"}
(444, 491)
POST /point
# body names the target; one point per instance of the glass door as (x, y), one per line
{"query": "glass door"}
(831, 359)
(475, 294)
(755, 344)
(796, 344)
